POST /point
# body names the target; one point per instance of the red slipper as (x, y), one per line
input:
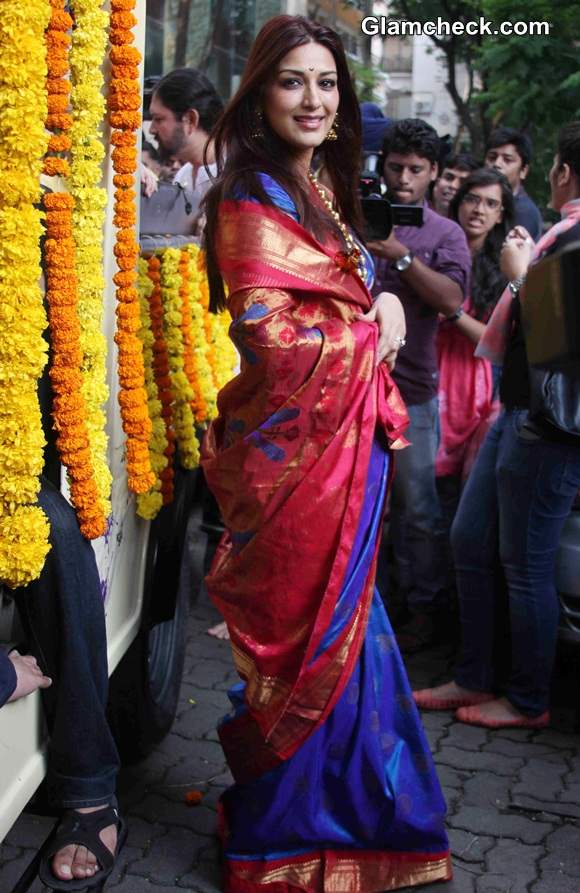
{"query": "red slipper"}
(473, 717)
(425, 700)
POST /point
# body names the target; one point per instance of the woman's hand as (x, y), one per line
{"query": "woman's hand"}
(516, 253)
(388, 312)
(149, 181)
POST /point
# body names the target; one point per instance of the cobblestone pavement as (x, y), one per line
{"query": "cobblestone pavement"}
(513, 796)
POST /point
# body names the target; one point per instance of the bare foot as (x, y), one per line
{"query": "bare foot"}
(449, 696)
(78, 862)
(498, 714)
(219, 631)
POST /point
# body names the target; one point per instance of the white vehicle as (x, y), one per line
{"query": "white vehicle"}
(140, 566)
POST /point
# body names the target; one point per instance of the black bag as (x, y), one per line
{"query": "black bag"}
(551, 311)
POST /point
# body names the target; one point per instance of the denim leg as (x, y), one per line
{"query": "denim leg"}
(474, 543)
(416, 528)
(63, 611)
(537, 482)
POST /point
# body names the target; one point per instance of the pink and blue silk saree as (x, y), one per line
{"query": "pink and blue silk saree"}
(335, 788)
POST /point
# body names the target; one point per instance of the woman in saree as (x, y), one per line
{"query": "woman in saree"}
(334, 783)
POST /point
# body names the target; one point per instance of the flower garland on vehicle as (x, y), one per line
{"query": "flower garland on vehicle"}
(89, 41)
(69, 408)
(148, 504)
(174, 283)
(183, 420)
(223, 355)
(161, 373)
(24, 527)
(205, 391)
(124, 104)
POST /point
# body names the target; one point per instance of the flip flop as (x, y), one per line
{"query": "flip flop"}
(425, 700)
(82, 829)
(473, 717)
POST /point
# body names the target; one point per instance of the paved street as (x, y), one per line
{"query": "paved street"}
(513, 796)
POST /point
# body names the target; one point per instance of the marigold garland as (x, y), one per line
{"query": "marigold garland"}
(124, 101)
(58, 41)
(89, 40)
(176, 348)
(24, 528)
(183, 420)
(223, 354)
(148, 504)
(69, 406)
(205, 390)
(161, 373)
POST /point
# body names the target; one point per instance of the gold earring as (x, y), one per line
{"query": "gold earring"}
(333, 132)
(258, 131)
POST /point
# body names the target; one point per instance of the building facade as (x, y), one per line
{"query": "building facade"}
(404, 76)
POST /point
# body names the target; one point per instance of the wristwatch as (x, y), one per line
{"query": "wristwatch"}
(453, 317)
(515, 285)
(404, 262)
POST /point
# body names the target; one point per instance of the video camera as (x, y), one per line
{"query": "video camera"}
(380, 214)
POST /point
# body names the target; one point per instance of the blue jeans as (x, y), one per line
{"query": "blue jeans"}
(516, 499)
(64, 617)
(416, 522)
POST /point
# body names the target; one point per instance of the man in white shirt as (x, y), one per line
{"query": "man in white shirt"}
(184, 109)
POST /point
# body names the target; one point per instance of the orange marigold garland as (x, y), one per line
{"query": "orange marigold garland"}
(58, 41)
(124, 102)
(162, 374)
(69, 409)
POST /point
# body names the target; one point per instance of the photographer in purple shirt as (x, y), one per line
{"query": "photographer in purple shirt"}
(428, 268)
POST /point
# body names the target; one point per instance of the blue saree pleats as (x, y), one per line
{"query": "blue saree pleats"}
(358, 807)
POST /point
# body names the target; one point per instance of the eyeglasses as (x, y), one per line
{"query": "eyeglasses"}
(491, 204)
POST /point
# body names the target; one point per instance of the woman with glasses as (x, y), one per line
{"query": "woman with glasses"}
(483, 206)
(334, 787)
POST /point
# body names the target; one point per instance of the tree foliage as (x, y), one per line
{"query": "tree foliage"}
(528, 82)
(533, 82)
(455, 49)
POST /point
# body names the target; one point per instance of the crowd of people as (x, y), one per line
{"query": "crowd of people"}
(388, 375)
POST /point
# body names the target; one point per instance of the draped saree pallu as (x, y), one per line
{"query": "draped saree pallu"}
(334, 787)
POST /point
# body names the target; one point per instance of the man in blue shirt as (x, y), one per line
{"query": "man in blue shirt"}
(428, 268)
(509, 151)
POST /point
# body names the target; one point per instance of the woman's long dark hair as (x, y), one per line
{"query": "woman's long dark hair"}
(240, 157)
(487, 280)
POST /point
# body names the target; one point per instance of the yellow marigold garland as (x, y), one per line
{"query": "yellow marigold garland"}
(222, 353)
(124, 103)
(89, 40)
(23, 526)
(183, 419)
(181, 383)
(205, 390)
(148, 504)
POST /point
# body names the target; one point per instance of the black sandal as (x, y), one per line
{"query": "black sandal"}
(82, 829)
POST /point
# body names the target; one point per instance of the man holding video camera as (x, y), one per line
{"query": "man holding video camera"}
(427, 266)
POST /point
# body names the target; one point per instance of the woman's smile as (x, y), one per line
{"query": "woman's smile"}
(300, 103)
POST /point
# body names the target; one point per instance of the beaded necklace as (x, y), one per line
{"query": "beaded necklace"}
(353, 259)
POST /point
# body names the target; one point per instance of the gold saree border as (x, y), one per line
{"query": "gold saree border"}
(284, 252)
(341, 872)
